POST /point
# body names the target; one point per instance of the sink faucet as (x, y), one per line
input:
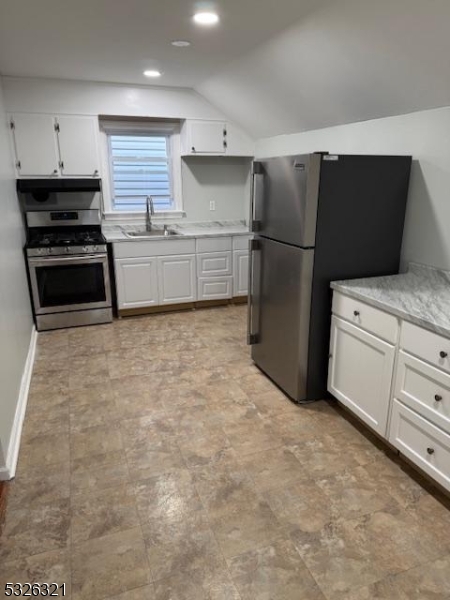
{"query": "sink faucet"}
(150, 211)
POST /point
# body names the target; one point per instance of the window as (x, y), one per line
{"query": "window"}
(144, 160)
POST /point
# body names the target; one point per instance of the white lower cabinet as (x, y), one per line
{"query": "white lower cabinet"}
(360, 373)
(176, 279)
(240, 266)
(422, 442)
(214, 288)
(136, 282)
(400, 389)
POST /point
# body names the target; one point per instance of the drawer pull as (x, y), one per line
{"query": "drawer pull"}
(438, 398)
(430, 450)
(443, 354)
(356, 313)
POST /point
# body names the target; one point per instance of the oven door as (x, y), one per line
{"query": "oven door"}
(69, 283)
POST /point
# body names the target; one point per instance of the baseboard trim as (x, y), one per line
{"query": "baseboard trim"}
(8, 471)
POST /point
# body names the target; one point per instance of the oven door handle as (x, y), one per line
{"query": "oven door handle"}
(55, 260)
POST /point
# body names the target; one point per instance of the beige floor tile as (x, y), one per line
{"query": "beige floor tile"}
(186, 544)
(273, 468)
(430, 581)
(101, 412)
(190, 586)
(38, 488)
(167, 497)
(51, 567)
(99, 472)
(301, 505)
(322, 456)
(101, 392)
(274, 572)
(147, 592)
(41, 450)
(181, 396)
(251, 435)
(148, 457)
(207, 448)
(109, 566)
(102, 513)
(34, 530)
(349, 554)
(96, 440)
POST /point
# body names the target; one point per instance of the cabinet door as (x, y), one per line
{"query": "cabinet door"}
(176, 277)
(137, 282)
(77, 137)
(207, 137)
(360, 373)
(240, 272)
(36, 145)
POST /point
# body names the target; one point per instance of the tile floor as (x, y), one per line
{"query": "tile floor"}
(158, 463)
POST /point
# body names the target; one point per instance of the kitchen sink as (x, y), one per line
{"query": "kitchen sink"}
(151, 234)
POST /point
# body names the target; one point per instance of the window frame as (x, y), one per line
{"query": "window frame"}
(137, 127)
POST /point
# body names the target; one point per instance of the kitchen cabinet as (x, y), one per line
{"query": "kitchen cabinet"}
(77, 139)
(137, 282)
(369, 349)
(240, 267)
(35, 145)
(214, 138)
(175, 271)
(176, 279)
(55, 146)
(360, 372)
(204, 137)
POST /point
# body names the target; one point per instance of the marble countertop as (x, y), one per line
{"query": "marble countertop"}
(421, 296)
(118, 233)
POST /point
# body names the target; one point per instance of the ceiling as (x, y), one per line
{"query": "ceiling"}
(108, 40)
(346, 61)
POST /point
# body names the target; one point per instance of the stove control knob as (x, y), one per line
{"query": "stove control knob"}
(94, 248)
(85, 249)
(67, 249)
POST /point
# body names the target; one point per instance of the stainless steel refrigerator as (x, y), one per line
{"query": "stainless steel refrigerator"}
(316, 218)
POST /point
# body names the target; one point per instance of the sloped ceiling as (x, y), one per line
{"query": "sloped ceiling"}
(349, 61)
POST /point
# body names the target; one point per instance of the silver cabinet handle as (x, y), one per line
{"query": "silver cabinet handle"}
(252, 336)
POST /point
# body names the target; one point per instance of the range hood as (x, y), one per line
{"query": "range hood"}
(48, 186)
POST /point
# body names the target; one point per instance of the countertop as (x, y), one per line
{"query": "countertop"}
(421, 296)
(116, 233)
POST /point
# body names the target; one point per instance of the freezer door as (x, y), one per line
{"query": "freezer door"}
(281, 300)
(285, 198)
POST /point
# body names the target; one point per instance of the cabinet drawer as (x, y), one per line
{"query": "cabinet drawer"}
(214, 263)
(214, 288)
(424, 389)
(422, 442)
(153, 248)
(240, 242)
(427, 345)
(367, 317)
(220, 244)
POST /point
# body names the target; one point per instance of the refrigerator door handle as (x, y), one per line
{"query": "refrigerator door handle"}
(253, 311)
(257, 196)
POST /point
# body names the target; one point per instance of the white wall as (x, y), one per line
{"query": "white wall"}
(426, 136)
(224, 180)
(15, 312)
(57, 96)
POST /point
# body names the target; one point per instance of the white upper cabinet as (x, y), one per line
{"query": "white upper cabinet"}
(52, 146)
(214, 138)
(204, 137)
(77, 138)
(35, 145)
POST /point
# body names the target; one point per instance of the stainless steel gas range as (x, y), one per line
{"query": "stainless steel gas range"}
(68, 268)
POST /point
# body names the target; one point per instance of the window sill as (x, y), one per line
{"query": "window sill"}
(139, 217)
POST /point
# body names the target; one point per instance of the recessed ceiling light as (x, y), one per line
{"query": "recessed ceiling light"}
(152, 73)
(206, 18)
(181, 43)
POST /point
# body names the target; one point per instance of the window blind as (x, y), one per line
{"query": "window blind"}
(141, 167)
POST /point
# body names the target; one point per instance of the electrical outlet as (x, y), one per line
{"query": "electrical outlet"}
(212, 205)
